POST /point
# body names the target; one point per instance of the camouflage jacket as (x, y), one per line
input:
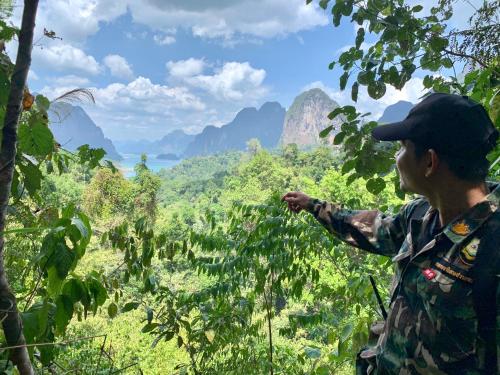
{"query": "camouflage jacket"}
(432, 326)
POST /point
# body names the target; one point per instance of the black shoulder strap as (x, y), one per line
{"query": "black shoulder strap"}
(484, 289)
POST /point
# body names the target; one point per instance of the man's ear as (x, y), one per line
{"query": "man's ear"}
(432, 163)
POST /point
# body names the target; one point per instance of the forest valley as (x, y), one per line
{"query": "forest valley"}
(200, 269)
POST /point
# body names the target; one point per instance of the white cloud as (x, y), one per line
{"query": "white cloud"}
(225, 19)
(164, 40)
(75, 20)
(411, 92)
(235, 81)
(186, 68)
(62, 57)
(150, 97)
(124, 110)
(119, 67)
(71, 80)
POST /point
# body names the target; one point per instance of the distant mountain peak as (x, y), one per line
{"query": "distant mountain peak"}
(306, 117)
(396, 112)
(72, 127)
(265, 124)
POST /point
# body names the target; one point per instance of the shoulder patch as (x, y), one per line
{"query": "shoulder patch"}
(469, 252)
(461, 228)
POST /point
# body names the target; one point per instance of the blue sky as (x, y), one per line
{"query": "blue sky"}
(159, 65)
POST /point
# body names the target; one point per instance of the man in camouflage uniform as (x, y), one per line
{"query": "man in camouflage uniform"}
(444, 311)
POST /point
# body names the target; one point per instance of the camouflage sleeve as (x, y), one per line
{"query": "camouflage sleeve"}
(368, 230)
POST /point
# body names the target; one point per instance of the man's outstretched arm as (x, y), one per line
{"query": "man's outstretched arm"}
(369, 230)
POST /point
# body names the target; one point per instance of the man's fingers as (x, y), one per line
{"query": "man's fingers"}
(288, 195)
(291, 200)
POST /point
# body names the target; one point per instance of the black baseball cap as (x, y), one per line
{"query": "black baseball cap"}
(451, 124)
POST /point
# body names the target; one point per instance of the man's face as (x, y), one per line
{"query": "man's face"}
(411, 169)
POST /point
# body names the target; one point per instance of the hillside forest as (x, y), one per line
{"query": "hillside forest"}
(200, 268)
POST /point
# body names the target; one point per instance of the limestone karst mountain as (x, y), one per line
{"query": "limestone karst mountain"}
(306, 117)
(72, 127)
(265, 124)
(396, 112)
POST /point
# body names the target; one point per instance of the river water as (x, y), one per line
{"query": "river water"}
(130, 160)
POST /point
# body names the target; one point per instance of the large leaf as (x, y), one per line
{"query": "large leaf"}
(35, 139)
(64, 312)
(76, 290)
(32, 176)
(62, 259)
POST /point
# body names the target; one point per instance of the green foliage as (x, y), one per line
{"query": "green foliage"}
(146, 189)
(46, 237)
(406, 41)
(108, 197)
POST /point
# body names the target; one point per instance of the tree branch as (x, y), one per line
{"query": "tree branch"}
(12, 325)
(465, 56)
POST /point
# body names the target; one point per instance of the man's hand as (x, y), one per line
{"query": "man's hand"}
(297, 201)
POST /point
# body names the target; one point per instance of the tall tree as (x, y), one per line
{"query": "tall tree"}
(11, 323)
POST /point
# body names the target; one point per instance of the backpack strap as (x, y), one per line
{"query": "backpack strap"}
(484, 289)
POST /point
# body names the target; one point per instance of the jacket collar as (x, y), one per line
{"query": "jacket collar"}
(463, 226)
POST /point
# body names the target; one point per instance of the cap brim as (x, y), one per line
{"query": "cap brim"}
(392, 132)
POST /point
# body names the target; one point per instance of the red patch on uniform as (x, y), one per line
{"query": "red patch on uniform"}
(429, 274)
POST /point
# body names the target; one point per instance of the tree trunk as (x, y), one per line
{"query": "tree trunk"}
(12, 323)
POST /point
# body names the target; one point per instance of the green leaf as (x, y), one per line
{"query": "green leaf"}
(313, 353)
(112, 310)
(337, 111)
(92, 156)
(149, 314)
(323, 3)
(64, 312)
(42, 103)
(26, 230)
(360, 37)
(62, 259)
(417, 8)
(438, 43)
(339, 138)
(428, 81)
(76, 290)
(365, 77)
(97, 291)
(32, 177)
(324, 133)
(346, 332)
(447, 62)
(35, 139)
(343, 80)
(354, 91)
(376, 89)
(130, 306)
(149, 327)
(375, 185)
(348, 166)
(323, 370)
(54, 281)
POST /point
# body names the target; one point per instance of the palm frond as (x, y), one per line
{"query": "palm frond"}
(76, 95)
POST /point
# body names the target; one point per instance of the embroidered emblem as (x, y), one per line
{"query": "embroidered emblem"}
(460, 228)
(429, 273)
(448, 270)
(469, 252)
